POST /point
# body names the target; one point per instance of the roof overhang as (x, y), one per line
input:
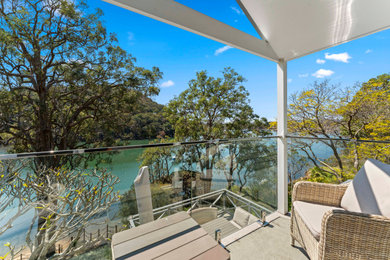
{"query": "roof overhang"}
(300, 27)
(289, 29)
(176, 14)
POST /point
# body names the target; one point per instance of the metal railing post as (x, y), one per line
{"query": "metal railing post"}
(224, 200)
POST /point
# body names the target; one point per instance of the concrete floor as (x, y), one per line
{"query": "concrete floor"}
(270, 242)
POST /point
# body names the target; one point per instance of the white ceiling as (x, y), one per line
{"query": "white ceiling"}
(295, 28)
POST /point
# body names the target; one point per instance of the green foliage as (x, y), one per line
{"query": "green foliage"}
(160, 161)
(64, 83)
(213, 108)
(261, 178)
(128, 201)
(148, 121)
(244, 160)
(312, 113)
(362, 112)
(101, 253)
(367, 116)
(317, 174)
(263, 186)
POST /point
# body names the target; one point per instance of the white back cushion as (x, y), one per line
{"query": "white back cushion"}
(369, 191)
(241, 217)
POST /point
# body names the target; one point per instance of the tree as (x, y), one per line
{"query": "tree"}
(359, 113)
(212, 108)
(128, 201)
(72, 200)
(312, 113)
(245, 158)
(159, 160)
(366, 115)
(64, 84)
(148, 121)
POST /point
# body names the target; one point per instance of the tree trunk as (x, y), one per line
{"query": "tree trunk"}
(232, 156)
(208, 177)
(336, 155)
(356, 157)
(45, 143)
(231, 172)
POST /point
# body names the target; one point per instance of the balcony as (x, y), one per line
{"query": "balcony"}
(242, 173)
(73, 203)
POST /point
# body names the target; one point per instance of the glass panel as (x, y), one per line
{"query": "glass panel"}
(82, 199)
(331, 161)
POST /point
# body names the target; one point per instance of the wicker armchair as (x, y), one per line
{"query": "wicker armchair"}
(342, 234)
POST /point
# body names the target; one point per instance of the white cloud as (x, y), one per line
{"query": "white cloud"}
(222, 50)
(320, 61)
(321, 73)
(167, 84)
(305, 75)
(368, 51)
(236, 10)
(289, 80)
(130, 36)
(342, 57)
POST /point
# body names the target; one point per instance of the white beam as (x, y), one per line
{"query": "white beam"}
(176, 14)
(282, 140)
(250, 18)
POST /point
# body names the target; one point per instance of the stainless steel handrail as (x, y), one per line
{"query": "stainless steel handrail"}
(172, 144)
(125, 147)
(337, 139)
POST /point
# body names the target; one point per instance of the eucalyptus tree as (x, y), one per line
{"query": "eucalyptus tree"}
(64, 81)
(366, 115)
(313, 112)
(357, 113)
(212, 108)
(64, 84)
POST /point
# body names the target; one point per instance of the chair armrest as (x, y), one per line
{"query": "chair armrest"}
(319, 193)
(350, 235)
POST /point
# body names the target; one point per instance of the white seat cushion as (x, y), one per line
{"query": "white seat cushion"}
(369, 191)
(312, 215)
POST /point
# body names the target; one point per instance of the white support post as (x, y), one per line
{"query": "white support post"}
(282, 140)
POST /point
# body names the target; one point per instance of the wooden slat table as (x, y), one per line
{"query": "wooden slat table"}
(175, 237)
(226, 227)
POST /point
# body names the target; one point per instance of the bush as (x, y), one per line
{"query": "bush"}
(128, 201)
(101, 253)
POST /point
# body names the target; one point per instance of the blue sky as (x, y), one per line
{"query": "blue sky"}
(180, 54)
